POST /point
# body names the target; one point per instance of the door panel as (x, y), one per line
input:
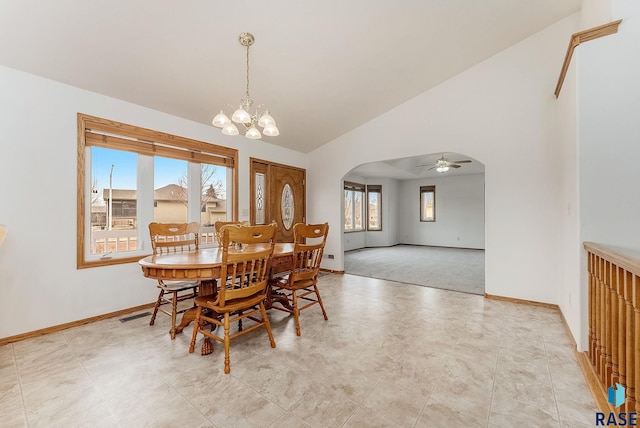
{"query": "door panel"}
(283, 196)
(287, 198)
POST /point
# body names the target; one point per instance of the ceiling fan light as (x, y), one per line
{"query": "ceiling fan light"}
(230, 129)
(253, 133)
(271, 130)
(266, 120)
(442, 169)
(220, 120)
(241, 116)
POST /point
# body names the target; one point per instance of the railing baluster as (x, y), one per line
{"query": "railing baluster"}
(614, 320)
(630, 342)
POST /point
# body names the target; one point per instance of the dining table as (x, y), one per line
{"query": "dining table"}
(205, 265)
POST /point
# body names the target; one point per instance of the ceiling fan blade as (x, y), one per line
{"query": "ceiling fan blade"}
(430, 168)
(452, 165)
(462, 161)
(422, 166)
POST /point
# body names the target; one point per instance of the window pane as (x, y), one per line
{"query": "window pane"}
(358, 210)
(213, 204)
(170, 193)
(260, 199)
(374, 211)
(427, 206)
(114, 218)
(348, 207)
(213, 200)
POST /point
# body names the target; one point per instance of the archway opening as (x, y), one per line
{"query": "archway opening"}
(417, 220)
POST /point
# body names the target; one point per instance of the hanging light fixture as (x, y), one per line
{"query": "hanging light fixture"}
(243, 114)
(442, 165)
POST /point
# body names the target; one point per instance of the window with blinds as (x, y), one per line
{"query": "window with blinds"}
(130, 176)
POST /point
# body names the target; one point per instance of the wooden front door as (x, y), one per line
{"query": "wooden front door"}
(277, 195)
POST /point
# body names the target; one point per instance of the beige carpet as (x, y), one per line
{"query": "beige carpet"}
(439, 267)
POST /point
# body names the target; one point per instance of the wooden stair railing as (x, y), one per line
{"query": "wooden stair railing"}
(614, 319)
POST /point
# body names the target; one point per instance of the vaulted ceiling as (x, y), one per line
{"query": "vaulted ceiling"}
(322, 68)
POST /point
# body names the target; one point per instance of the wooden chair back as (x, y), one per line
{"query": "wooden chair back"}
(308, 248)
(245, 272)
(174, 237)
(220, 224)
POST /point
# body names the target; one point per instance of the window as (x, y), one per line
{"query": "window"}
(130, 176)
(374, 207)
(427, 203)
(353, 206)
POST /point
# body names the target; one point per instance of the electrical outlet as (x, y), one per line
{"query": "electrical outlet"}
(330, 256)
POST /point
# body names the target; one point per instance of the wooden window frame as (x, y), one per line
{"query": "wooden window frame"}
(374, 188)
(357, 187)
(99, 132)
(428, 189)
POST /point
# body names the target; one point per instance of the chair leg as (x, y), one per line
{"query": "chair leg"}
(174, 314)
(315, 287)
(155, 309)
(296, 312)
(227, 342)
(267, 324)
(196, 326)
(195, 294)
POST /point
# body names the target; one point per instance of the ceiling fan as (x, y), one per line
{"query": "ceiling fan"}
(443, 164)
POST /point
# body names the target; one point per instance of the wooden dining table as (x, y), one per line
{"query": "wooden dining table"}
(205, 265)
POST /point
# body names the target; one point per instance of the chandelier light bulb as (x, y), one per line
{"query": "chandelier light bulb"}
(253, 133)
(241, 116)
(266, 120)
(271, 130)
(220, 120)
(230, 129)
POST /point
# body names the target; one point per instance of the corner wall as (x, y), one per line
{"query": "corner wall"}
(609, 140)
(499, 112)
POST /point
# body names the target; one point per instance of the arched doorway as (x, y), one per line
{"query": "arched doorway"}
(406, 221)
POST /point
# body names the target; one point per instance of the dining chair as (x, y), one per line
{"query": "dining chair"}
(301, 282)
(220, 224)
(243, 282)
(167, 238)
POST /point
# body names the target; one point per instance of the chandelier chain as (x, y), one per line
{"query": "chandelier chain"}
(248, 71)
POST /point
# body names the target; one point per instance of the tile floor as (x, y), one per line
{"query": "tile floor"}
(391, 355)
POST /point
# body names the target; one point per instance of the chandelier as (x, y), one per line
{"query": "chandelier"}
(243, 114)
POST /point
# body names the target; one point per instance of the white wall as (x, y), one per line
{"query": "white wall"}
(595, 12)
(391, 208)
(459, 212)
(40, 284)
(609, 139)
(569, 290)
(499, 112)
